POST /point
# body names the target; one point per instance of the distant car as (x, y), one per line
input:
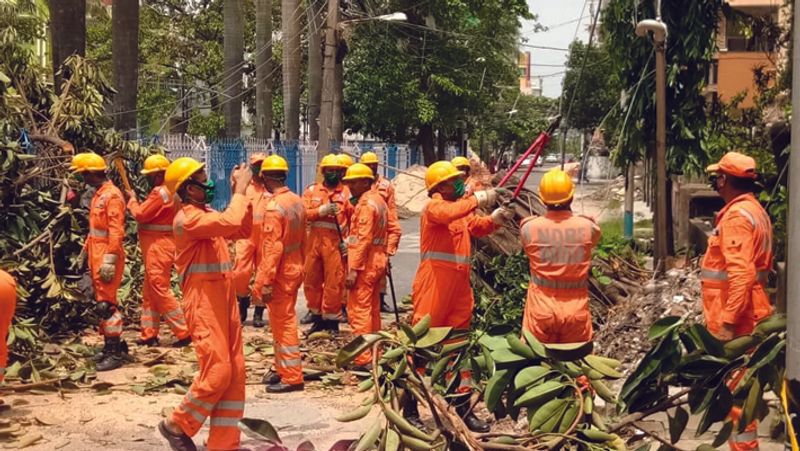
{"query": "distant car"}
(552, 158)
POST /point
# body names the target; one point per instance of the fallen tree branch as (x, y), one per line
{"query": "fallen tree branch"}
(657, 437)
(634, 417)
(66, 146)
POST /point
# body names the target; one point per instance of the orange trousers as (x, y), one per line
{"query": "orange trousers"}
(364, 308)
(106, 292)
(245, 268)
(283, 320)
(747, 440)
(218, 391)
(554, 317)
(8, 303)
(158, 251)
(324, 280)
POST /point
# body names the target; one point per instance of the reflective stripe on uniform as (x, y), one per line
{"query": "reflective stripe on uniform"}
(164, 195)
(713, 275)
(378, 241)
(98, 233)
(207, 268)
(202, 404)
(292, 248)
(224, 421)
(445, 256)
(748, 436)
(201, 418)
(558, 284)
(286, 349)
(748, 215)
(323, 225)
(230, 405)
(156, 227)
(288, 363)
(149, 323)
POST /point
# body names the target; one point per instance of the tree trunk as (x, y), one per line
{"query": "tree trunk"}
(337, 127)
(125, 56)
(315, 21)
(264, 68)
(233, 23)
(426, 141)
(441, 144)
(67, 32)
(290, 23)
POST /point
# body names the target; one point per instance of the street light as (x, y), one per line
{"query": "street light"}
(660, 226)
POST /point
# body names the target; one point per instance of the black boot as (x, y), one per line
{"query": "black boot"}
(343, 319)
(258, 316)
(309, 318)
(115, 357)
(385, 308)
(280, 387)
(150, 342)
(317, 326)
(102, 352)
(473, 423)
(410, 411)
(183, 342)
(244, 304)
(271, 377)
(331, 325)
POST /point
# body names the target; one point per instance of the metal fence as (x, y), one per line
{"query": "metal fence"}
(222, 155)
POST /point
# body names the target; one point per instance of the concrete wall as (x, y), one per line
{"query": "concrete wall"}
(736, 74)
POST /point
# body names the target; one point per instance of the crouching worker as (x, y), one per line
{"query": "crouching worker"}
(209, 303)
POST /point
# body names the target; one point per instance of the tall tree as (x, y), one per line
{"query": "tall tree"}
(315, 22)
(290, 25)
(264, 67)
(125, 55)
(67, 32)
(233, 21)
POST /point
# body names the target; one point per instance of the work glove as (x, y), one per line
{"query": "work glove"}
(328, 210)
(502, 216)
(109, 268)
(343, 249)
(266, 294)
(488, 198)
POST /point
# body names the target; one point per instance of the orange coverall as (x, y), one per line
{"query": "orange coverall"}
(441, 286)
(559, 248)
(734, 273)
(366, 254)
(155, 216)
(247, 250)
(324, 270)
(106, 232)
(8, 303)
(281, 267)
(472, 185)
(386, 189)
(212, 312)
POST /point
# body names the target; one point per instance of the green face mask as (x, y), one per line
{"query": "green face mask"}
(331, 178)
(460, 188)
(209, 188)
(255, 169)
(353, 200)
(79, 177)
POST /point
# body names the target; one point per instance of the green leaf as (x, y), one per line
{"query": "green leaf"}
(677, 424)
(604, 280)
(369, 438)
(259, 430)
(723, 434)
(506, 356)
(663, 326)
(392, 440)
(434, 336)
(351, 350)
(706, 341)
(495, 388)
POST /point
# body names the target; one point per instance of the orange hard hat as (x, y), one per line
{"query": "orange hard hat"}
(736, 165)
(154, 163)
(439, 172)
(556, 187)
(257, 158)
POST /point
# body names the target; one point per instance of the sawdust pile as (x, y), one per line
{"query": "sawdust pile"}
(410, 193)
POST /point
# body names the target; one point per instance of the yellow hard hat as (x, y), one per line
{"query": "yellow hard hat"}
(257, 158)
(556, 187)
(274, 163)
(359, 171)
(460, 162)
(155, 163)
(344, 160)
(439, 172)
(369, 158)
(331, 161)
(88, 162)
(179, 171)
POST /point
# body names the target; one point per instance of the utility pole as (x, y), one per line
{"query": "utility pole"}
(328, 80)
(792, 388)
(660, 225)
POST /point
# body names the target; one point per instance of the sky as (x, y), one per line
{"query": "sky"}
(560, 17)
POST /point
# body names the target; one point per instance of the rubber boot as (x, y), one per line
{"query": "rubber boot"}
(114, 358)
(411, 412)
(473, 423)
(258, 316)
(101, 353)
(244, 304)
(385, 308)
(309, 318)
(331, 325)
(317, 326)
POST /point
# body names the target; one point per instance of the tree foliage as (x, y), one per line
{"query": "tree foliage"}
(595, 92)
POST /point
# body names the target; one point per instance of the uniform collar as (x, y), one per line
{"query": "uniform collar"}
(558, 214)
(337, 189)
(280, 190)
(740, 198)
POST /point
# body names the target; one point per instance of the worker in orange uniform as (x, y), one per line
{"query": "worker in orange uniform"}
(328, 210)
(106, 254)
(247, 255)
(441, 286)
(463, 165)
(367, 254)
(209, 301)
(8, 303)
(385, 188)
(736, 266)
(559, 248)
(280, 274)
(154, 217)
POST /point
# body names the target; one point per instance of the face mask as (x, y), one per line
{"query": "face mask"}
(79, 177)
(208, 187)
(460, 188)
(331, 178)
(712, 180)
(353, 200)
(256, 169)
